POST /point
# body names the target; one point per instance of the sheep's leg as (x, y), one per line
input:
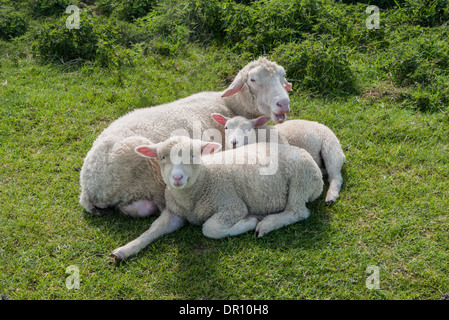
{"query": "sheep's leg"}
(279, 220)
(223, 224)
(335, 182)
(166, 223)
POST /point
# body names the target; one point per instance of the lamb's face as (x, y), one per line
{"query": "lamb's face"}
(179, 165)
(239, 132)
(270, 91)
(179, 159)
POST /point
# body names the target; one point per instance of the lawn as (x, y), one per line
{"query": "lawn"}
(391, 115)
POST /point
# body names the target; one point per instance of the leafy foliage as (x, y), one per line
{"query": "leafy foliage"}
(12, 24)
(320, 68)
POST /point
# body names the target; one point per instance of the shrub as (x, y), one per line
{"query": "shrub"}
(384, 4)
(53, 41)
(12, 24)
(347, 24)
(264, 25)
(425, 13)
(418, 60)
(50, 7)
(319, 68)
(127, 10)
(167, 38)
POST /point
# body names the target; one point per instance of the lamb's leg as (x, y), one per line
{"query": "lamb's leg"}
(335, 182)
(279, 220)
(166, 223)
(225, 223)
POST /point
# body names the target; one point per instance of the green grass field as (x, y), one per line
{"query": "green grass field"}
(384, 94)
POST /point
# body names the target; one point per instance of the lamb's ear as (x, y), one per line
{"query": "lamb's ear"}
(219, 118)
(261, 121)
(147, 151)
(288, 86)
(209, 147)
(235, 86)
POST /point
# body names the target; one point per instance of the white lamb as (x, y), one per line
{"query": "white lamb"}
(227, 199)
(113, 177)
(312, 136)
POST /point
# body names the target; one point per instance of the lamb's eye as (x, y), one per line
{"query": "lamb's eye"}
(162, 158)
(252, 80)
(226, 128)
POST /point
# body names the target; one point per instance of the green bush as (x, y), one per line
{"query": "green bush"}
(425, 13)
(384, 4)
(264, 25)
(54, 41)
(12, 24)
(347, 25)
(50, 7)
(318, 68)
(165, 37)
(127, 10)
(420, 59)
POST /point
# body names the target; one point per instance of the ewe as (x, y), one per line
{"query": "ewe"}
(114, 177)
(228, 199)
(312, 136)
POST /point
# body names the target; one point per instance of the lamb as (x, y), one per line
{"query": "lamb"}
(228, 199)
(312, 136)
(260, 88)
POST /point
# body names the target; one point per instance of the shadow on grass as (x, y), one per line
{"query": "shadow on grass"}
(203, 268)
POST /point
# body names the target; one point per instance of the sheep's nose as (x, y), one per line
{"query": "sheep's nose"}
(178, 177)
(283, 105)
(234, 144)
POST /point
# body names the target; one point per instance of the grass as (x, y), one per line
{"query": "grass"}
(392, 212)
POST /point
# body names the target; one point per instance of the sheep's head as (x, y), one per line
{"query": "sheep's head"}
(266, 82)
(179, 159)
(240, 131)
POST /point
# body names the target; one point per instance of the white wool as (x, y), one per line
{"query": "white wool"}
(108, 176)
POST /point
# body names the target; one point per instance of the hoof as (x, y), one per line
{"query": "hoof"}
(117, 255)
(330, 202)
(260, 232)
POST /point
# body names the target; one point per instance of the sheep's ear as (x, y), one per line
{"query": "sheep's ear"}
(288, 86)
(147, 151)
(235, 86)
(260, 121)
(209, 147)
(219, 118)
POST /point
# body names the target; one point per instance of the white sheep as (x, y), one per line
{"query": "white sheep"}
(228, 199)
(312, 136)
(110, 177)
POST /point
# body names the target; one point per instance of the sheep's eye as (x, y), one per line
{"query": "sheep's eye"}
(163, 158)
(253, 80)
(226, 128)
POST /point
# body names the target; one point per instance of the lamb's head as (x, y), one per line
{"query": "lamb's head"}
(239, 130)
(266, 82)
(179, 159)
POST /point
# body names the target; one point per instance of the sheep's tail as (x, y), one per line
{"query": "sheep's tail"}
(333, 158)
